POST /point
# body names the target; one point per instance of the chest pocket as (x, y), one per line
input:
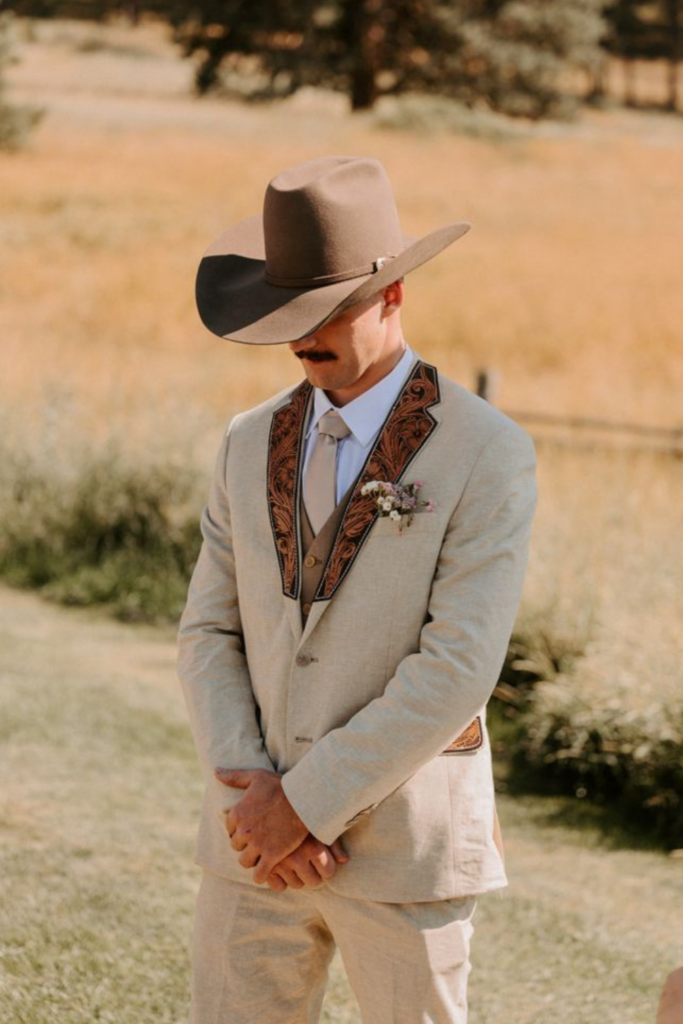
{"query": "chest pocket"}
(421, 523)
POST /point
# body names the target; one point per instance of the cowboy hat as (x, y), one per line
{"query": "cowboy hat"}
(329, 238)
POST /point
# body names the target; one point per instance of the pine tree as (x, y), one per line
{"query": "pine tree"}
(508, 53)
(514, 54)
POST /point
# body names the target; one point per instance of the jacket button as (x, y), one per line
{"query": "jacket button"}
(310, 561)
(306, 608)
(302, 660)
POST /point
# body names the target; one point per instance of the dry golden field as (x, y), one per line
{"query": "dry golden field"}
(569, 285)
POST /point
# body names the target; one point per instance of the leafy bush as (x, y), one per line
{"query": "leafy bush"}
(626, 759)
(621, 759)
(102, 531)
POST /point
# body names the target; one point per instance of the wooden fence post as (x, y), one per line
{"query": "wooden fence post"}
(488, 382)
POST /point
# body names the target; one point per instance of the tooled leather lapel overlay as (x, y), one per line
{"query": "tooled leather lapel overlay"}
(406, 429)
(285, 448)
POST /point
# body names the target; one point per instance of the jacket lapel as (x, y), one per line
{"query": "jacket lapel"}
(406, 429)
(285, 454)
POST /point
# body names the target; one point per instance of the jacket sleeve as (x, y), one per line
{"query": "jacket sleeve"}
(436, 692)
(212, 666)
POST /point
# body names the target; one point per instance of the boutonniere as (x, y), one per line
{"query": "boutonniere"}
(397, 501)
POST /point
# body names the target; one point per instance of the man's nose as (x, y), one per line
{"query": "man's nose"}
(304, 344)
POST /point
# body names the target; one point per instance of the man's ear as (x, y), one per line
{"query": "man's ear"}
(392, 296)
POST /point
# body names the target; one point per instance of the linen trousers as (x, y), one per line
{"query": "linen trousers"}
(261, 957)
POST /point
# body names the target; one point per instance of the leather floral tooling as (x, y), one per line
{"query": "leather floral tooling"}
(470, 739)
(285, 446)
(406, 429)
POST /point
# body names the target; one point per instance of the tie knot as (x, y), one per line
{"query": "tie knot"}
(333, 425)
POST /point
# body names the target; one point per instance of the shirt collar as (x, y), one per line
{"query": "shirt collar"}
(365, 415)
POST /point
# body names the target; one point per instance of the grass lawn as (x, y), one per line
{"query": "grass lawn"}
(100, 796)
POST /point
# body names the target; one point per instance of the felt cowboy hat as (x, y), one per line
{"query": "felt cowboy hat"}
(329, 238)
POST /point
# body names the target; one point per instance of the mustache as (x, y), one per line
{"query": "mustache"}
(317, 357)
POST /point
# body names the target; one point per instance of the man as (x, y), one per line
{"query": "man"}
(364, 548)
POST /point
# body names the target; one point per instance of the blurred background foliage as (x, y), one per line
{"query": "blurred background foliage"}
(514, 56)
(16, 121)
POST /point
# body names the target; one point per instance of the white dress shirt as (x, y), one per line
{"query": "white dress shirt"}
(363, 416)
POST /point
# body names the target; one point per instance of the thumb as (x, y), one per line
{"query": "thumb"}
(338, 852)
(238, 778)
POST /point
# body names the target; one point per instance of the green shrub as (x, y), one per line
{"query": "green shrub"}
(625, 759)
(532, 657)
(101, 531)
(627, 762)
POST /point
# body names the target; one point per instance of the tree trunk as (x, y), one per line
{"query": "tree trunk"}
(675, 53)
(629, 82)
(596, 83)
(363, 88)
(365, 34)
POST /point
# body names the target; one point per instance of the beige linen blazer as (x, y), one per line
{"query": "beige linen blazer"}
(400, 652)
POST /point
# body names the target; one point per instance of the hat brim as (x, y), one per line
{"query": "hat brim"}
(237, 303)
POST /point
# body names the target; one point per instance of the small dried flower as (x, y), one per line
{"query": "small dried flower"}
(397, 501)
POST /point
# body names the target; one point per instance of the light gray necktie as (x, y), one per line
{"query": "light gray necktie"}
(320, 485)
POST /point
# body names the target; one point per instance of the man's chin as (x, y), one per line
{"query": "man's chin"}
(322, 375)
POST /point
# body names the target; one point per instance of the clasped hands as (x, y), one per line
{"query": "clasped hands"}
(271, 837)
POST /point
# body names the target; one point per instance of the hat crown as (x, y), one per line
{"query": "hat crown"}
(329, 220)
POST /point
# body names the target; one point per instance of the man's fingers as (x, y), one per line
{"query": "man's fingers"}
(238, 842)
(289, 875)
(263, 868)
(249, 859)
(238, 778)
(299, 872)
(309, 875)
(338, 852)
(310, 865)
(324, 863)
(312, 862)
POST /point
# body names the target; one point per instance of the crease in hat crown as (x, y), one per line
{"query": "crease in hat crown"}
(329, 220)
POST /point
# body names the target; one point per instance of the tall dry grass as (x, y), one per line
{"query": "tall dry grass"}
(596, 660)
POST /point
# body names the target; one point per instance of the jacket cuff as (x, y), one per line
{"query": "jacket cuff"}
(313, 803)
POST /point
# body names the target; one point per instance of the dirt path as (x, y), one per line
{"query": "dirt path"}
(100, 793)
